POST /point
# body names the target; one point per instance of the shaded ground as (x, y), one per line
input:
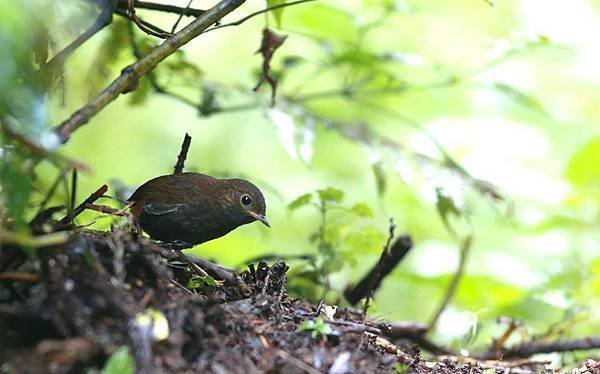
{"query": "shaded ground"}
(72, 308)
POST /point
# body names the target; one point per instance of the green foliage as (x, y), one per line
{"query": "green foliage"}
(196, 282)
(317, 327)
(277, 13)
(338, 239)
(583, 170)
(120, 362)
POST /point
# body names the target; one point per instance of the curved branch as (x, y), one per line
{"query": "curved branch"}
(132, 73)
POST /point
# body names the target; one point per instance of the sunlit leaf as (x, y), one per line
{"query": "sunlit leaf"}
(300, 201)
(120, 362)
(277, 13)
(519, 96)
(362, 210)
(331, 194)
(583, 170)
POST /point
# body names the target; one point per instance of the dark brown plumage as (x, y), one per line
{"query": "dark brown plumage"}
(195, 208)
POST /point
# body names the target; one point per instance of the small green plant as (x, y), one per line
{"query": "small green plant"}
(120, 362)
(339, 237)
(317, 328)
(196, 282)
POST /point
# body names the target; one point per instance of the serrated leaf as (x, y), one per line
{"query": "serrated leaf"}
(300, 201)
(277, 13)
(331, 194)
(120, 362)
(362, 210)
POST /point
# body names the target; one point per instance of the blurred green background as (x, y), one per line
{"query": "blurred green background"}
(405, 106)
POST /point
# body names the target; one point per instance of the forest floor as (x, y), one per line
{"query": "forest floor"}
(73, 306)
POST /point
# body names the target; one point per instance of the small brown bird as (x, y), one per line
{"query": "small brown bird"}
(194, 208)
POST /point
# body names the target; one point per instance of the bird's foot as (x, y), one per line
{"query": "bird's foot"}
(176, 245)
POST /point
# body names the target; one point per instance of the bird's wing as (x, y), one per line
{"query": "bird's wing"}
(162, 209)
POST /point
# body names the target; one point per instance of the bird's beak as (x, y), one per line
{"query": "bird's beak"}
(261, 218)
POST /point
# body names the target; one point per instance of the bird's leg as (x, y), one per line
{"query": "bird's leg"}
(176, 245)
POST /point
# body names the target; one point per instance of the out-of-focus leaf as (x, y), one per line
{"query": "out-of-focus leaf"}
(519, 97)
(583, 170)
(380, 177)
(120, 362)
(331, 194)
(367, 239)
(141, 93)
(16, 184)
(446, 207)
(295, 134)
(362, 210)
(180, 66)
(300, 201)
(277, 13)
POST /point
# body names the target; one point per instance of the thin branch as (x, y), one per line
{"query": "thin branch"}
(19, 277)
(390, 258)
(191, 12)
(10, 130)
(81, 207)
(259, 12)
(141, 25)
(183, 13)
(133, 72)
(104, 19)
(530, 348)
(124, 13)
(185, 146)
(465, 247)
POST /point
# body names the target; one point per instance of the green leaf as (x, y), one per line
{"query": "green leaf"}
(300, 201)
(197, 281)
(331, 194)
(141, 93)
(446, 207)
(16, 184)
(582, 169)
(362, 210)
(380, 177)
(277, 13)
(519, 97)
(120, 362)
(317, 327)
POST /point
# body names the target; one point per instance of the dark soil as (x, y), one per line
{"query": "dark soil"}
(68, 310)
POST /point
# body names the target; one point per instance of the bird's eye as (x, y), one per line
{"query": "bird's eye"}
(246, 200)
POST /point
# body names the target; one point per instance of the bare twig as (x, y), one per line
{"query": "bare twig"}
(141, 25)
(185, 146)
(392, 228)
(133, 72)
(81, 207)
(104, 19)
(55, 238)
(192, 12)
(528, 349)
(387, 262)
(106, 209)
(465, 247)
(19, 277)
(183, 13)
(9, 128)
(259, 12)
